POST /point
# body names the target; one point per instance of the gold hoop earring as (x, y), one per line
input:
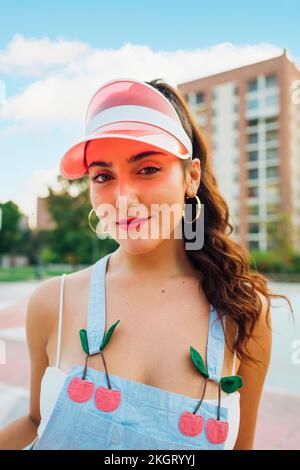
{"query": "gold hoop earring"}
(198, 210)
(89, 219)
(102, 232)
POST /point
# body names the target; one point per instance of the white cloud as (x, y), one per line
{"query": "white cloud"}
(77, 70)
(35, 57)
(49, 101)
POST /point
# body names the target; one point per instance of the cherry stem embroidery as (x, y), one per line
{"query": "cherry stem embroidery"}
(85, 367)
(106, 371)
(201, 399)
(219, 400)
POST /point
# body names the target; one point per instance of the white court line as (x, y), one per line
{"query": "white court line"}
(13, 334)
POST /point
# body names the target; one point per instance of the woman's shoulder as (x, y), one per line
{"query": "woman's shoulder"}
(43, 305)
(259, 345)
(264, 310)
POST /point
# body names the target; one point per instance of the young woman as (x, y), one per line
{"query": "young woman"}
(164, 343)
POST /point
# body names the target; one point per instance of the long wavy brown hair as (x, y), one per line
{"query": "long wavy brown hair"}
(228, 280)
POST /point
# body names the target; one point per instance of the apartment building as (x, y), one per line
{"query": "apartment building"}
(44, 220)
(250, 117)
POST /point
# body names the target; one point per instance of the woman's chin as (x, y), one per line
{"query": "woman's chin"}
(139, 246)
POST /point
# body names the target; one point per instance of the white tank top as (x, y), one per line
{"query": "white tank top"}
(54, 378)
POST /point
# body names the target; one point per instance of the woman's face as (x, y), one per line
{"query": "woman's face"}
(128, 182)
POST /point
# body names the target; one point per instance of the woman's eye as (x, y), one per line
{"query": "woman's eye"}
(151, 168)
(95, 178)
(101, 175)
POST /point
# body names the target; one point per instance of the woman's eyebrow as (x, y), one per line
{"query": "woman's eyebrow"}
(132, 159)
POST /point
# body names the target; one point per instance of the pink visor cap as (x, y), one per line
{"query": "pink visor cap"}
(128, 115)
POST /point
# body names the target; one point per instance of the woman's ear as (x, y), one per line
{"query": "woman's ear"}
(193, 176)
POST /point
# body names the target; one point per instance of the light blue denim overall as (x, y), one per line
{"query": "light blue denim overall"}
(147, 417)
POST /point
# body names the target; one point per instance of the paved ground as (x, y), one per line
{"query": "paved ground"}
(279, 412)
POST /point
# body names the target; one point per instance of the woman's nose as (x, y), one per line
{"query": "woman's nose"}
(126, 195)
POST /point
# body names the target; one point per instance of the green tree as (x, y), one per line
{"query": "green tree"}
(11, 232)
(72, 240)
(34, 243)
(279, 235)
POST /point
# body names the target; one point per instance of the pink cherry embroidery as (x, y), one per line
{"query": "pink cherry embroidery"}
(190, 424)
(216, 431)
(107, 399)
(80, 390)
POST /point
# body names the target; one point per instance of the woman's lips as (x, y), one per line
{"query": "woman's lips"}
(130, 223)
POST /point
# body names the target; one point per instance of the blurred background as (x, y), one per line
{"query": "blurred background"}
(238, 68)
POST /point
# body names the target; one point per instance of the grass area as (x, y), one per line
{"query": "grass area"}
(29, 273)
(283, 277)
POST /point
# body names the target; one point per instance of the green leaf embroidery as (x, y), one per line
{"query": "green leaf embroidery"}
(231, 383)
(198, 361)
(108, 335)
(84, 340)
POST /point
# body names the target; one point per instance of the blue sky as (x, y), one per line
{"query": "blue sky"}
(53, 55)
(166, 25)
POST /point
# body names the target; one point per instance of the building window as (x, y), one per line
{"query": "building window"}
(202, 119)
(253, 174)
(272, 100)
(252, 122)
(253, 210)
(253, 245)
(272, 120)
(271, 153)
(200, 98)
(253, 138)
(252, 85)
(253, 191)
(272, 171)
(271, 135)
(253, 228)
(252, 104)
(253, 156)
(271, 80)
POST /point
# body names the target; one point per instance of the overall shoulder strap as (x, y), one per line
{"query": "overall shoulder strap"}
(215, 346)
(96, 305)
(61, 300)
(233, 372)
